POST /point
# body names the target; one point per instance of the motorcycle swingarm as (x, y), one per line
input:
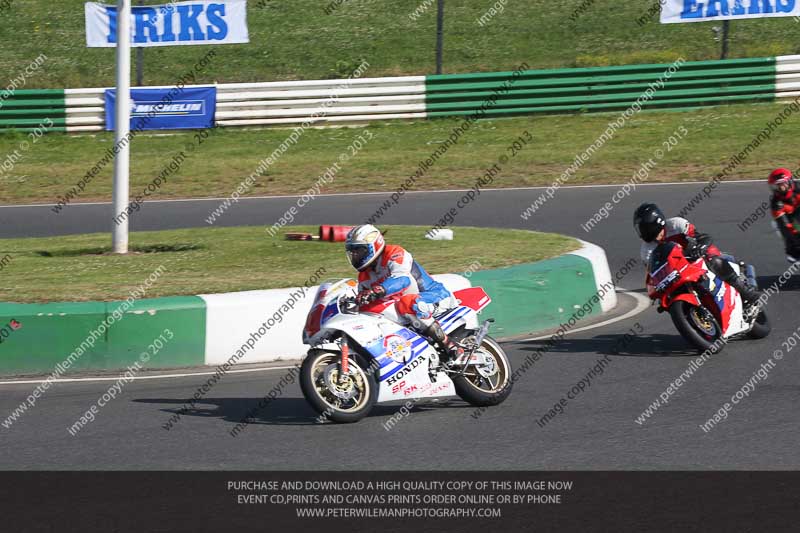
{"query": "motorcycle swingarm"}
(473, 359)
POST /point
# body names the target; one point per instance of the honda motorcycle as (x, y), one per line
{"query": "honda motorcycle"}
(363, 356)
(703, 307)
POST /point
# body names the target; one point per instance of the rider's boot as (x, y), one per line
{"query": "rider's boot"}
(435, 333)
(723, 269)
(792, 252)
(750, 294)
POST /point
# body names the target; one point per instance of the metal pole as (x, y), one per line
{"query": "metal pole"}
(726, 29)
(122, 116)
(439, 35)
(140, 59)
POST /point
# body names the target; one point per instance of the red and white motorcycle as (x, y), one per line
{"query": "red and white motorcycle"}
(703, 308)
(362, 357)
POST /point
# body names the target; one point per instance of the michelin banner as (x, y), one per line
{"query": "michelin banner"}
(173, 24)
(158, 109)
(674, 11)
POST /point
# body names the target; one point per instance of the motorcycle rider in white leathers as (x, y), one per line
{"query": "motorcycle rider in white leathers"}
(389, 270)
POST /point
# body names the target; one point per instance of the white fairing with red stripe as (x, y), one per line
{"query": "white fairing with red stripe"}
(403, 357)
(729, 302)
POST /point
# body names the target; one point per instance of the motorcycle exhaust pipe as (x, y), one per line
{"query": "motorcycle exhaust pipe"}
(483, 332)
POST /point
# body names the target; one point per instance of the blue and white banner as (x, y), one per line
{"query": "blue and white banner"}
(176, 23)
(167, 109)
(673, 11)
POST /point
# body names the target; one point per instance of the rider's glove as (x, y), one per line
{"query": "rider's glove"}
(692, 250)
(370, 295)
(703, 239)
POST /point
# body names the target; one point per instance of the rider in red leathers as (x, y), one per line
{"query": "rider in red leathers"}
(386, 270)
(653, 227)
(785, 205)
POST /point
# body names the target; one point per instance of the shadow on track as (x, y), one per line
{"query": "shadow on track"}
(280, 411)
(793, 284)
(656, 345)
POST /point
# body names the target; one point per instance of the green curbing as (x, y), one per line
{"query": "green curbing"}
(537, 296)
(64, 338)
(184, 316)
(50, 334)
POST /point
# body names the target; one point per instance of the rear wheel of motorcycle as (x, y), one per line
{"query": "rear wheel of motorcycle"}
(761, 328)
(696, 324)
(362, 382)
(480, 390)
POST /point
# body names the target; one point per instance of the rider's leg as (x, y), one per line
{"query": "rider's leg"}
(419, 313)
(791, 242)
(726, 273)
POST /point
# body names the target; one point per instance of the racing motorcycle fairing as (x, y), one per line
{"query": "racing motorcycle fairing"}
(473, 297)
(324, 308)
(668, 265)
(725, 303)
(688, 297)
(672, 277)
(402, 357)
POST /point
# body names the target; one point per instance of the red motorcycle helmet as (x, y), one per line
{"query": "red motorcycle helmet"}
(781, 180)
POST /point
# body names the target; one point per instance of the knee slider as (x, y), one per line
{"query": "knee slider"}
(422, 309)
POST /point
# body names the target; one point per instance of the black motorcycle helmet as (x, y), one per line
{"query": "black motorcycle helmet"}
(648, 220)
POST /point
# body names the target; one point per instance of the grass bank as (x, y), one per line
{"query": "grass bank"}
(200, 261)
(56, 162)
(305, 39)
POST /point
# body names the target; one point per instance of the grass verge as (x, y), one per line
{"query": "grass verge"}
(216, 168)
(200, 261)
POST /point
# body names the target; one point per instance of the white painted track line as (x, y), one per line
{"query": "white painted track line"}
(385, 193)
(141, 378)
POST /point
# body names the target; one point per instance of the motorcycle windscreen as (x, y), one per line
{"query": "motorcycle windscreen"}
(313, 321)
(662, 273)
(660, 256)
(324, 306)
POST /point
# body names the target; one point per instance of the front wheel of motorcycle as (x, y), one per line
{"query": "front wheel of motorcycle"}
(486, 384)
(342, 399)
(696, 324)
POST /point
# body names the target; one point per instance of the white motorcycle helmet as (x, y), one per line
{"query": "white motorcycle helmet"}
(363, 245)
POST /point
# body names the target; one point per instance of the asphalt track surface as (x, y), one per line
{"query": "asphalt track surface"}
(597, 430)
